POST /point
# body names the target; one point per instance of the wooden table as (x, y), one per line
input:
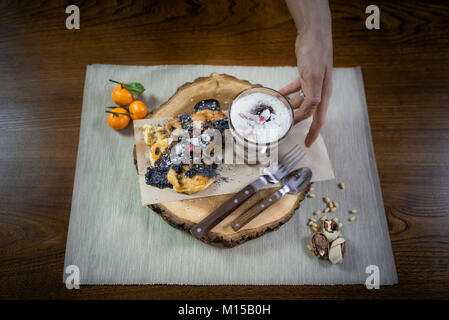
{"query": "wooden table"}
(42, 67)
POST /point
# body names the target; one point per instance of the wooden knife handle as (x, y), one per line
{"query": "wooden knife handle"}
(201, 229)
(253, 212)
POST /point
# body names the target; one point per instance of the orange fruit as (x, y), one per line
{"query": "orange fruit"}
(121, 95)
(138, 110)
(118, 119)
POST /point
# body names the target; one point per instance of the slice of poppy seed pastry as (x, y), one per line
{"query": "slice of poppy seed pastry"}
(158, 149)
(153, 134)
(191, 180)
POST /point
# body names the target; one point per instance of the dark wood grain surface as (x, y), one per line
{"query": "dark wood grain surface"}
(42, 67)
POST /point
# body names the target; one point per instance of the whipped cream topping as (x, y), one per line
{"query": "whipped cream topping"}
(260, 117)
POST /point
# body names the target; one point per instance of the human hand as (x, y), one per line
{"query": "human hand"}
(315, 63)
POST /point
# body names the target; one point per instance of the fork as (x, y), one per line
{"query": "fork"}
(272, 174)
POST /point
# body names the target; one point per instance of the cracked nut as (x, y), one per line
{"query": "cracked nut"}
(337, 250)
(331, 229)
(341, 185)
(320, 245)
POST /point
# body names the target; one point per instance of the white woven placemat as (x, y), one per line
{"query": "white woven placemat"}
(113, 239)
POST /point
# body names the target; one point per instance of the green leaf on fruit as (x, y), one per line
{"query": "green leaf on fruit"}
(135, 88)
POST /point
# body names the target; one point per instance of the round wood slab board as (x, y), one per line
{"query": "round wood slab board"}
(186, 213)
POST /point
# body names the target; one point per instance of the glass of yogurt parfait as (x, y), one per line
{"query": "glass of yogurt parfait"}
(259, 119)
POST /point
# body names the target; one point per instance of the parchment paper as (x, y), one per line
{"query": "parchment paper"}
(238, 175)
(113, 239)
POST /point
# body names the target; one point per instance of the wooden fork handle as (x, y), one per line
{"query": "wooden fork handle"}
(253, 212)
(201, 229)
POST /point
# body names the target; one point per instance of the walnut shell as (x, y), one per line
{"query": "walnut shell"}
(320, 245)
(337, 251)
(331, 229)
